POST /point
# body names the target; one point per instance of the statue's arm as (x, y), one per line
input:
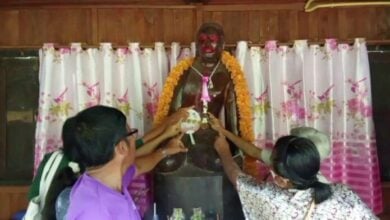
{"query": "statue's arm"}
(176, 102)
(231, 112)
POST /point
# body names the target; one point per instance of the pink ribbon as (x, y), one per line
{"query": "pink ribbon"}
(205, 91)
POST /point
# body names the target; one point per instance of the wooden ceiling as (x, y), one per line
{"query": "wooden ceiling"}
(143, 2)
(24, 3)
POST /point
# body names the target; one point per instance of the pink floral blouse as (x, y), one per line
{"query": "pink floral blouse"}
(268, 201)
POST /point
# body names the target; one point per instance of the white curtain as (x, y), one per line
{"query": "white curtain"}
(72, 79)
(326, 87)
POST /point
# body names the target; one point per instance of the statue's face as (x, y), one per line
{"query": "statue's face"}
(209, 46)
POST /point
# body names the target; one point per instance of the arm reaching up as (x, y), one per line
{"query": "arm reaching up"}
(180, 114)
(148, 162)
(169, 132)
(229, 165)
(245, 146)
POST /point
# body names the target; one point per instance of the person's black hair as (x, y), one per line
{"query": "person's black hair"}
(97, 131)
(68, 140)
(298, 160)
(64, 178)
(89, 139)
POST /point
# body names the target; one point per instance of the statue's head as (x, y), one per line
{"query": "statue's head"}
(210, 42)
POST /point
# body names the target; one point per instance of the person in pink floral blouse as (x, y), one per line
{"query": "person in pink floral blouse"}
(296, 192)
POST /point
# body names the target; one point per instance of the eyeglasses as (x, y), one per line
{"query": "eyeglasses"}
(130, 132)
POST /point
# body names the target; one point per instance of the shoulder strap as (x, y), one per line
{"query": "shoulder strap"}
(45, 171)
(310, 211)
(48, 173)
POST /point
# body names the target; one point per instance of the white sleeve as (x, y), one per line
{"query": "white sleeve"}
(266, 156)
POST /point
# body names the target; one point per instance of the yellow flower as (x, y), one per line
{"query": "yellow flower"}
(243, 97)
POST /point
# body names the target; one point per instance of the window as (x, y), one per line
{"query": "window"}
(19, 91)
(380, 85)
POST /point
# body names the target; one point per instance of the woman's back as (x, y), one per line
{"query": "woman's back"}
(268, 201)
(343, 204)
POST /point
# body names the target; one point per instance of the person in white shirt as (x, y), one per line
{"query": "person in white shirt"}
(296, 192)
(320, 140)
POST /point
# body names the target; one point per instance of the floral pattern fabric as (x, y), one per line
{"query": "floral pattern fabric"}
(72, 79)
(268, 201)
(326, 87)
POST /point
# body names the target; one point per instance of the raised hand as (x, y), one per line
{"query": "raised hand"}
(215, 123)
(180, 114)
(173, 129)
(175, 146)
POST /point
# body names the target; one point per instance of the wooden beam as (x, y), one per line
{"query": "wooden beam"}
(102, 6)
(94, 24)
(254, 7)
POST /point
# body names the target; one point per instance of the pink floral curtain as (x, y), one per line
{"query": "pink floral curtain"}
(73, 78)
(325, 87)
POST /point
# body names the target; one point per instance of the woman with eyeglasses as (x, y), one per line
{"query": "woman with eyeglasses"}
(104, 148)
(68, 169)
(296, 192)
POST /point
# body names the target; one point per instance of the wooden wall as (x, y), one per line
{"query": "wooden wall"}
(30, 23)
(31, 26)
(12, 199)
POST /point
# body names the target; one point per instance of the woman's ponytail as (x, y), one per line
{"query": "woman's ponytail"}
(64, 178)
(322, 191)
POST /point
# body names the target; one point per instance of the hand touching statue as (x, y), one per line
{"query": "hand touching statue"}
(215, 123)
(180, 114)
(173, 129)
(174, 146)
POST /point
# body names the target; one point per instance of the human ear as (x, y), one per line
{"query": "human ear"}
(281, 182)
(121, 148)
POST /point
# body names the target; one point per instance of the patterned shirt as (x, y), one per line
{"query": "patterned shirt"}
(268, 201)
(90, 199)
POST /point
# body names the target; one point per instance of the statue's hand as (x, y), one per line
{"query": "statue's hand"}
(175, 146)
(221, 145)
(215, 123)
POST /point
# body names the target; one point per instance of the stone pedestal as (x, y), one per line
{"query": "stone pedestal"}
(191, 187)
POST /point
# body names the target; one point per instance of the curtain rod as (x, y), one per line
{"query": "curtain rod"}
(311, 5)
(368, 42)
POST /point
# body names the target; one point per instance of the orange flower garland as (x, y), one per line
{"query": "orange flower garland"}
(242, 95)
(240, 88)
(169, 86)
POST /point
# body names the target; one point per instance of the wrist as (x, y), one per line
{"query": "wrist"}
(163, 153)
(164, 136)
(223, 131)
(169, 135)
(224, 152)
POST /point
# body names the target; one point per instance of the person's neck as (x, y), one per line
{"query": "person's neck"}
(109, 174)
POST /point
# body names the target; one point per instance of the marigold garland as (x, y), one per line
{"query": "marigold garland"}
(169, 86)
(240, 88)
